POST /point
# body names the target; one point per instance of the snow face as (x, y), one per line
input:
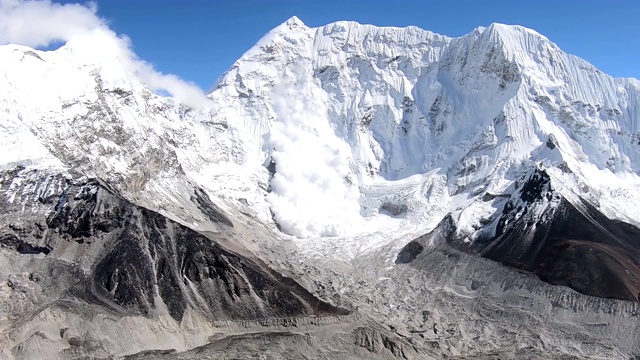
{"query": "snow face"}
(348, 131)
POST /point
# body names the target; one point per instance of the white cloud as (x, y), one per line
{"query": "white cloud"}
(39, 23)
(310, 193)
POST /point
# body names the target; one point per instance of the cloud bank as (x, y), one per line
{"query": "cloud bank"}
(311, 193)
(40, 23)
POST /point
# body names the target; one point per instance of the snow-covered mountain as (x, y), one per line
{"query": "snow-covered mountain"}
(338, 111)
(346, 141)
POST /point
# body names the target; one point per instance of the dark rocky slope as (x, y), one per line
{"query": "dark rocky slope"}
(88, 243)
(562, 242)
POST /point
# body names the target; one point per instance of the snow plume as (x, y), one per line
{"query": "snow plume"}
(311, 191)
(39, 23)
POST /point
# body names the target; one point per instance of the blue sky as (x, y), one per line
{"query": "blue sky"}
(199, 39)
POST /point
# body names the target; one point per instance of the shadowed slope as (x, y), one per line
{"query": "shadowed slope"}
(562, 242)
(108, 251)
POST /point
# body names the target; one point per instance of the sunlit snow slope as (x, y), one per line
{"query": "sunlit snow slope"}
(340, 130)
(350, 110)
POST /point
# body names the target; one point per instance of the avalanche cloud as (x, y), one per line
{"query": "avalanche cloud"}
(312, 191)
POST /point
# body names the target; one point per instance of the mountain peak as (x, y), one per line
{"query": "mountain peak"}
(294, 21)
(292, 24)
(516, 39)
(510, 29)
(510, 36)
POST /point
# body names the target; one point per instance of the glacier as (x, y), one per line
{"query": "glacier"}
(330, 150)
